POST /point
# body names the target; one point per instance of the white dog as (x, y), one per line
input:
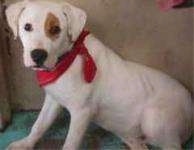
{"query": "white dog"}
(137, 103)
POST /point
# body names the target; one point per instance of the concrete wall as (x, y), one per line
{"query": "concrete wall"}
(4, 92)
(135, 29)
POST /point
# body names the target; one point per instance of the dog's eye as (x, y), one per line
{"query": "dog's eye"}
(28, 27)
(55, 30)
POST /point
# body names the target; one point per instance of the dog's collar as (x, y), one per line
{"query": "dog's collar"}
(89, 67)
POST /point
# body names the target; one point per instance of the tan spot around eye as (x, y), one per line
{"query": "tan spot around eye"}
(51, 21)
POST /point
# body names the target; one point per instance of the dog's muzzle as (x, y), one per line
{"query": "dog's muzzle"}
(39, 56)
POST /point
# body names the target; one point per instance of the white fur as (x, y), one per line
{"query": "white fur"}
(128, 99)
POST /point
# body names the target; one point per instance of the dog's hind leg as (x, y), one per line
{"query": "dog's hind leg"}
(163, 126)
(172, 147)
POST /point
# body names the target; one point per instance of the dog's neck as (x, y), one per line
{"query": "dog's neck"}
(89, 66)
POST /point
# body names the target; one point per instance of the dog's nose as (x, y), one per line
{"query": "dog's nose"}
(39, 56)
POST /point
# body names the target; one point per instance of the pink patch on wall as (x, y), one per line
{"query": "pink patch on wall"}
(168, 4)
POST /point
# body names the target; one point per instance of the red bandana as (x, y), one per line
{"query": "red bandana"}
(89, 66)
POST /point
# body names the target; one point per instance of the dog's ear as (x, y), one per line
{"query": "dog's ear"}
(13, 13)
(76, 20)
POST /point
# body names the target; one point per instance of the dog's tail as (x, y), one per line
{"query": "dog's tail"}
(193, 114)
(5, 118)
(1, 122)
(192, 111)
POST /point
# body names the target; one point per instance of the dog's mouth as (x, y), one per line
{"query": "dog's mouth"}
(40, 68)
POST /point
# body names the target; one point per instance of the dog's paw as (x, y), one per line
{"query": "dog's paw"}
(23, 144)
(67, 147)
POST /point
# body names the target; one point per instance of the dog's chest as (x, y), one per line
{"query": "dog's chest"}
(69, 89)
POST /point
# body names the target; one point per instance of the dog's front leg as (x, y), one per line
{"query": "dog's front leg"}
(80, 119)
(46, 117)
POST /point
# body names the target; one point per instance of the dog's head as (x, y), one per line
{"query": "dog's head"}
(46, 29)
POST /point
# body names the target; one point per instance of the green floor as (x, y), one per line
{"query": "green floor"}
(95, 139)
